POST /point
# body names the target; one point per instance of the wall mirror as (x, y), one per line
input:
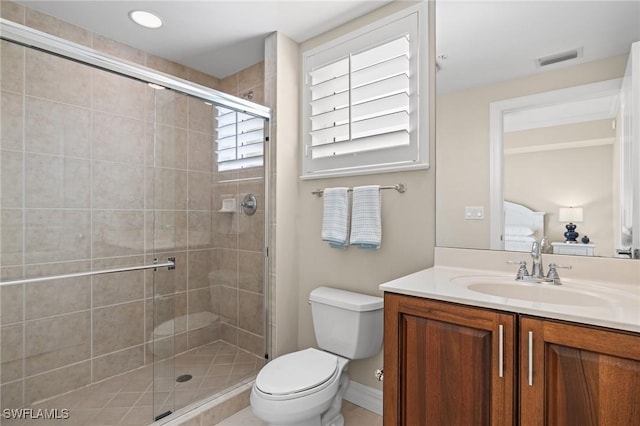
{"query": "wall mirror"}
(538, 125)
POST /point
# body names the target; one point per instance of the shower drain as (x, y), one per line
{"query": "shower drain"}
(184, 378)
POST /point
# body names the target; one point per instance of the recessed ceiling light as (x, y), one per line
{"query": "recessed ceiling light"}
(145, 19)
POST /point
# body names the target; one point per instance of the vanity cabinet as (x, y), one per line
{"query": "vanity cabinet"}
(577, 375)
(448, 364)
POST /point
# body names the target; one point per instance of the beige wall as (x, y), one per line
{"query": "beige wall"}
(407, 231)
(283, 76)
(462, 134)
(579, 177)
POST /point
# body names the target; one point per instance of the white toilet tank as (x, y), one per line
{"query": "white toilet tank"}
(346, 323)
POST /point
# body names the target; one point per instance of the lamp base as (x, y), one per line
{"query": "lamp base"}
(571, 233)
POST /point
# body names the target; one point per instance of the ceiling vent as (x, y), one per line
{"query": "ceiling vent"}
(559, 57)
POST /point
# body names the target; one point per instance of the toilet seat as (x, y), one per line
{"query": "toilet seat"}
(297, 374)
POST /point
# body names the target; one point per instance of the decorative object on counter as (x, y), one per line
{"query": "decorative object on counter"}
(335, 217)
(585, 239)
(366, 222)
(572, 215)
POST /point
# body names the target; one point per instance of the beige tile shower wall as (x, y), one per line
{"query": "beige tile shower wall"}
(239, 238)
(98, 205)
(247, 83)
(73, 204)
(182, 224)
(239, 277)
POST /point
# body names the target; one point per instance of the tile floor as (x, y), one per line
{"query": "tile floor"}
(353, 416)
(129, 399)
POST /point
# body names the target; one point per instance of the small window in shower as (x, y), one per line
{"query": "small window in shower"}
(239, 140)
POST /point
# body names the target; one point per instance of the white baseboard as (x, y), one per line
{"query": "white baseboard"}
(364, 396)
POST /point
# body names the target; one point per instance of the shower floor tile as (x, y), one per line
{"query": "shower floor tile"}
(129, 399)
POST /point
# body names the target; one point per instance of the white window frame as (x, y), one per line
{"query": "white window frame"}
(416, 154)
(236, 137)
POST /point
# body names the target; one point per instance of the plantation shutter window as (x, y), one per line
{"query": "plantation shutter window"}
(362, 102)
(239, 140)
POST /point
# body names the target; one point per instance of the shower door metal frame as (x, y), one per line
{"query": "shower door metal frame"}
(29, 37)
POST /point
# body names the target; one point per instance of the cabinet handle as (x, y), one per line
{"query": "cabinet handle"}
(531, 358)
(501, 350)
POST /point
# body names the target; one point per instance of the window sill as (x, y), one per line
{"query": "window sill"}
(372, 171)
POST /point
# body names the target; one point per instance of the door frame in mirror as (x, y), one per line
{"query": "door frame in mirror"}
(497, 110)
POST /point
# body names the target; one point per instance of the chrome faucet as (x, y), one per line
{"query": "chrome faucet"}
(536, 258)
(537, 273)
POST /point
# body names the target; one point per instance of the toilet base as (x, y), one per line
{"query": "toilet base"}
(336, 421)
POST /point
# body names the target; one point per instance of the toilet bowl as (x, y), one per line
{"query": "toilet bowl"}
(305, 388)
(298, 388)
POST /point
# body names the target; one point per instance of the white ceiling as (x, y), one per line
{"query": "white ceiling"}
(490, 41)
(217, 37)
(484, 41)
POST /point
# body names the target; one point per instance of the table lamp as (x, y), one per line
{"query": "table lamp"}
(572, 215)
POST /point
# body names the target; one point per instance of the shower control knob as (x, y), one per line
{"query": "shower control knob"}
(249, 204)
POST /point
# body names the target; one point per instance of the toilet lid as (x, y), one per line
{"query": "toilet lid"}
(296, 372)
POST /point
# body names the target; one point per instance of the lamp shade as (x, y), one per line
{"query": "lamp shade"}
(570, 214)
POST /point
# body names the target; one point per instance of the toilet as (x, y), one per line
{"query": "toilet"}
(305, 388)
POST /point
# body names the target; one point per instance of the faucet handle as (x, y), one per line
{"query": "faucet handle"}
(556, 266)
(553, 275)
(522, 270)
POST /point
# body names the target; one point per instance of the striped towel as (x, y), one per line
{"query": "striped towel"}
(335, 217)
(366, 223)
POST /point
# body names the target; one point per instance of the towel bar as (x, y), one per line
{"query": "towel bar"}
(400, 187)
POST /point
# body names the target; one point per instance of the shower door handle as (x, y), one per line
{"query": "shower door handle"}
(170, 264)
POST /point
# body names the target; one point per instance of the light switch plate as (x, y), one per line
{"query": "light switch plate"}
(474, 213)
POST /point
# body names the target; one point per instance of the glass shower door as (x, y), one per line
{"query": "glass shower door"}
(76, 252)
(209, 213)
(169, 191)
(107, 182)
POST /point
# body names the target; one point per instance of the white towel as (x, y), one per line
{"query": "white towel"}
(366, 223)
(335, 217)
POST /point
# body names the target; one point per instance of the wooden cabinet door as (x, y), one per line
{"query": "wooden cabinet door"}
(447, 364)
(578, 375)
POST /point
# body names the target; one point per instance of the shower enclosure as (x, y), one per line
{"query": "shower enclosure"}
(132, 231)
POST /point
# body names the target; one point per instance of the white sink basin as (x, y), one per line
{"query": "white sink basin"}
(538, 293)
(546, 293)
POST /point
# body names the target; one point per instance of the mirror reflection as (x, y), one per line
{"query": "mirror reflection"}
(537, 125)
